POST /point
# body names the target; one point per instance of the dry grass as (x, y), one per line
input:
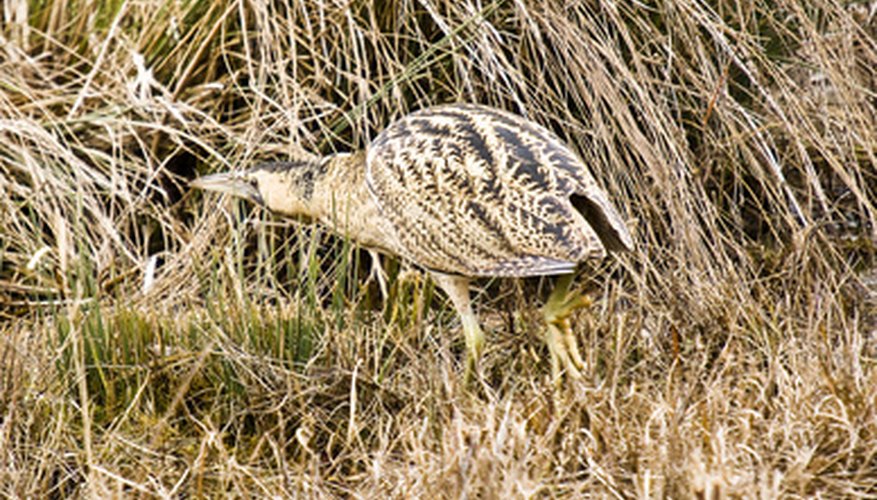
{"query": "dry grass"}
(157, 343)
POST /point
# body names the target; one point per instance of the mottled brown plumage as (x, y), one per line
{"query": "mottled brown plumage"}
(463, 191)
(475, 191)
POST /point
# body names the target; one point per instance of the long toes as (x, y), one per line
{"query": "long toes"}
(557, 313)
(572, 348)
(570, 344)
(571, 304)
(577, 302)
(561, 355)
(562, 343)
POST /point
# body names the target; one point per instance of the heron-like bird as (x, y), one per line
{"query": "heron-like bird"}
(463, 191)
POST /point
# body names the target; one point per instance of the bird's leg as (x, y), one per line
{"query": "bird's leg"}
(561, 342)
(457, 288)
(377, 273)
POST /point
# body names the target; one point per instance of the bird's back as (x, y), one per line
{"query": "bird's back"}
(476, 191)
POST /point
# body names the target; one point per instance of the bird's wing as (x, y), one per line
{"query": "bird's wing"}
(475, 191)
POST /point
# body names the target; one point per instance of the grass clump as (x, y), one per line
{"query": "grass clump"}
(155, 342)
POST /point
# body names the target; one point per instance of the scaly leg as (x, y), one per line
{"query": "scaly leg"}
(457, 288)
(377, 273)
(561, 342)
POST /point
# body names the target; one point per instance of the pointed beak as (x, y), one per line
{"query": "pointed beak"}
(230, 183)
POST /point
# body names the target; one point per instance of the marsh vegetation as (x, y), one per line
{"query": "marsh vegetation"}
(158, 342)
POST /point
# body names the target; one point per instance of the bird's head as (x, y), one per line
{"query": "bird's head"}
(286, 188)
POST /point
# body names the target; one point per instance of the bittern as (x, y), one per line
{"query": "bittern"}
(464, 191)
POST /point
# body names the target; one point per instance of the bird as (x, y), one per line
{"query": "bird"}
(463, 191)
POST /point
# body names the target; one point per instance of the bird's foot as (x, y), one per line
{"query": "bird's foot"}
(562, 344)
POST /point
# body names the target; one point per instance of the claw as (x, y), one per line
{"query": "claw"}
(561, 342)
(561, 354)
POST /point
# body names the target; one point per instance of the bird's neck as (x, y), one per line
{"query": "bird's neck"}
(342, 199)
(338, 187)
(333, 192)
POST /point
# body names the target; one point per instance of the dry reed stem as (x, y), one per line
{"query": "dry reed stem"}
(162, 343)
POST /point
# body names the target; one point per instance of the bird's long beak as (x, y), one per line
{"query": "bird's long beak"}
(230, 183)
